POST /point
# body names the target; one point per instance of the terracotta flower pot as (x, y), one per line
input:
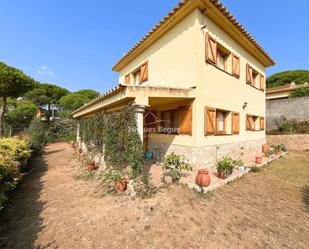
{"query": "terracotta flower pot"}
(222, 174)
(91, 166)
(121, 185)
(265, 148)
(258, 159)
(202, 178)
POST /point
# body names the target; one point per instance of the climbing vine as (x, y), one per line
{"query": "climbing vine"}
(116, 134)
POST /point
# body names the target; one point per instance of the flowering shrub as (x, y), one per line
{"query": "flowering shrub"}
(13, 153)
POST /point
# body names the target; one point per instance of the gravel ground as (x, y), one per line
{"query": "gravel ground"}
(53, 209)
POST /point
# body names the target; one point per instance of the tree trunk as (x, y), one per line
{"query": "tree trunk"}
(48, 113)
(2, 112)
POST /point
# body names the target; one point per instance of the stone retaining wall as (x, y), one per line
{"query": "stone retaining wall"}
(206, 155)
(291, 109)
(292, 142)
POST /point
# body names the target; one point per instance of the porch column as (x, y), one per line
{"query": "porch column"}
(78, 138)
(139, 112)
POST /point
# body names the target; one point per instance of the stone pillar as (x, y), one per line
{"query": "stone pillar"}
(78, 138)
(139, 111)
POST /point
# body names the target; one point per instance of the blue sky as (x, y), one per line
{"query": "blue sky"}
(75, 43)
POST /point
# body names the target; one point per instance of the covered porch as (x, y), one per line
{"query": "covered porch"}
(163, 114)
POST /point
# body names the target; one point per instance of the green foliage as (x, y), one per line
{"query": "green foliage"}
(286, 77)
(21, 115)
(90, 94)
(279, 148)
(117, 133)
(63, 130)
(255, 169)
(73, 101)
(77, 99)
(37, 135)
(227, 163)
(13, 82)
(13, 153)
(300, 92)
(174, 165)
(46, 95)
(291, 127)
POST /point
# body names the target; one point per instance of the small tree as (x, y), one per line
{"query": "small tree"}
(13, 83)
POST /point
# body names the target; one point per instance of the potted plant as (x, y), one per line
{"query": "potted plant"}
(116, 180)
(90, 164)
(277, 149)
(226, 165)
(174, 165)
(258, 159)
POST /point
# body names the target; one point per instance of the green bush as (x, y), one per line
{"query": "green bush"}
(300, 92)
(61, 131)
(174, 165)
(286, 77)
(37, 135)
(285, 126)
(13, 154)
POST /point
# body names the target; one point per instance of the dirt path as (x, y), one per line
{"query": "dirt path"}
(51, 209)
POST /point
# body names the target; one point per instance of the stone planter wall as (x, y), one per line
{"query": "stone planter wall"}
(292, 142)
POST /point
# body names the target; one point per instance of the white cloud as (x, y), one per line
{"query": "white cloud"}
(44, 69)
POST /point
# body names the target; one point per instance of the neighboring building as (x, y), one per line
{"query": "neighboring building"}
(280, 108)
(283, 92)
(202, 76)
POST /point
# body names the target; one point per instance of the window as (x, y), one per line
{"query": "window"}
(127, 79)
(221, 121)
(254, 78)
(221, 57)
(139, 75)
(254, 123)
(216, 122)
(177, 121)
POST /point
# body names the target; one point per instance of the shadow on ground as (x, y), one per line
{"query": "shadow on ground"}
(24, 207)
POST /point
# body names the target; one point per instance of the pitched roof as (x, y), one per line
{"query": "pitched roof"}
(217, 4)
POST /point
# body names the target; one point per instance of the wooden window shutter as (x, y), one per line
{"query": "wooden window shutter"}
(185, 120)
(127, 79)
(144, 72)
(211, 49)
(236, 65)
(210, 121)
(249, 76)
(248, 122)
(262, 82)
(262, 124)
(235, 123)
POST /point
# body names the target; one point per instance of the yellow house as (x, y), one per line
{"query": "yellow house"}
(198, 82)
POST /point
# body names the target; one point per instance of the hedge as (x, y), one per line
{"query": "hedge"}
(14, 153)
